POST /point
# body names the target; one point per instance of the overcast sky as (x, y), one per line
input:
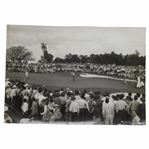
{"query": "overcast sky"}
(77, 40)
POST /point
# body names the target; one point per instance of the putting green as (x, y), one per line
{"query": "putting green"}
(64, 79)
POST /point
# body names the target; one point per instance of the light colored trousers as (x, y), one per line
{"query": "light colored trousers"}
(108, 119)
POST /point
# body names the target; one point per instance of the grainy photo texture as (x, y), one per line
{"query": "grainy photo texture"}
(75, 75)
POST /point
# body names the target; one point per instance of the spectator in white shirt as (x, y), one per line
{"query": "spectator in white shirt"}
(108, 112)
(24, 107)
(74, 109)
(83, 105)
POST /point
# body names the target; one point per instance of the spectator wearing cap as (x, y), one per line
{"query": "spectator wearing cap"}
(108, 112)
(120, 108)
(74, 109)
(141, 109)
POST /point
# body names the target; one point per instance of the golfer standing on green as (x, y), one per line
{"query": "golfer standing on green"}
(27, 76)
(73, 75)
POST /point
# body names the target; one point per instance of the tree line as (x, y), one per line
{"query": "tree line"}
(107, 58)
(19, 53)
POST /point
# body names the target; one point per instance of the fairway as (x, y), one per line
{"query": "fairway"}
(60, 80)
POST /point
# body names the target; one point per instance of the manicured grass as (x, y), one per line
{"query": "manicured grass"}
(60, 80)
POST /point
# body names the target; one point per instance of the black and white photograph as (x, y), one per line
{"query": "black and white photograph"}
(75, 75)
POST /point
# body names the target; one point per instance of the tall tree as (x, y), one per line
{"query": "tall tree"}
(18, 53)
(83, 59)
(47, 57)
(68, 58)
(75, 58)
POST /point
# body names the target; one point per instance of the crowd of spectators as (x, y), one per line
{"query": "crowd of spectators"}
(112, 70)
(37, 103)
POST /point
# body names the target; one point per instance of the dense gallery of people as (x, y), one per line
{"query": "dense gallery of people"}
(109, 69)
(36, 103)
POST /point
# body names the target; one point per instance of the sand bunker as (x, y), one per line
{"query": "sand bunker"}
(86, 75)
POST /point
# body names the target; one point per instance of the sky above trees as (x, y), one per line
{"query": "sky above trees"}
(77, 40)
